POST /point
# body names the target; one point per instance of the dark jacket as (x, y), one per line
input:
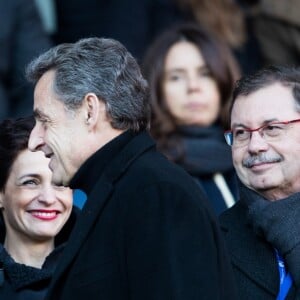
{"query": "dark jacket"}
(18, 281)
(145, 231)
(252, 257)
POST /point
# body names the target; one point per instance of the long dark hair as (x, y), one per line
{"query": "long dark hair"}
(219, 60)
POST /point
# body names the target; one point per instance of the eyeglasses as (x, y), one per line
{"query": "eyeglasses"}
(272, 131)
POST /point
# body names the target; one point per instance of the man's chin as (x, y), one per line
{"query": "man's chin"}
(263, 185)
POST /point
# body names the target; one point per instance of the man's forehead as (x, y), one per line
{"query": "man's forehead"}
(274, 102)
(272, 96)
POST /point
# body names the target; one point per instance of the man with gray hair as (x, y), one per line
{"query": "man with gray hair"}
(263, 229)
(145, 231)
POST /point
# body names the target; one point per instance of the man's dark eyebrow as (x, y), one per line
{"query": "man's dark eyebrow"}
(264, 123)
(38, 114)
(238, 125)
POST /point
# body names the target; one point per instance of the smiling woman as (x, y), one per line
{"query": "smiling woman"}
(33, 212)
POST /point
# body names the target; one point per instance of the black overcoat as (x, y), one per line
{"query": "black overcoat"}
(145, 231)
(253, 259)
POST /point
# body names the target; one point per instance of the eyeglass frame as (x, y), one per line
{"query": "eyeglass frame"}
(228, 134)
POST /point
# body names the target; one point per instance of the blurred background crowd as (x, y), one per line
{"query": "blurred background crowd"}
(258, 32)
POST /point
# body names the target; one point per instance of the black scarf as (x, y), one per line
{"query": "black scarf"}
(205, 150)
(279, 223)
(21, 276)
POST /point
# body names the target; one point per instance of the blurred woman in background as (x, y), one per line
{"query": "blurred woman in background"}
(191, 75)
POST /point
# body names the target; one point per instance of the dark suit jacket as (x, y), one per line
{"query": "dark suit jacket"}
(253, 259)
(145, 231)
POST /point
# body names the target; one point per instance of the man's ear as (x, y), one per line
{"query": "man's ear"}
(93, 109)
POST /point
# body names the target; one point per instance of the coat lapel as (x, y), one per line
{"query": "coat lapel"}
(85, 222)
(250, 254)
(97, 199)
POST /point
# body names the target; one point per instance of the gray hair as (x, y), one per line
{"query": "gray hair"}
(100, 66)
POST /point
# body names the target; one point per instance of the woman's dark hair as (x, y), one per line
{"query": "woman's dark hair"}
(219, 60)
(14, 136)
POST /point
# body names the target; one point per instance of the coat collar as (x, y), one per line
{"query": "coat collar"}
(87, 175)
(21, 276)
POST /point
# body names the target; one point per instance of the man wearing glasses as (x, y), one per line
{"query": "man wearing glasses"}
(262, 230)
